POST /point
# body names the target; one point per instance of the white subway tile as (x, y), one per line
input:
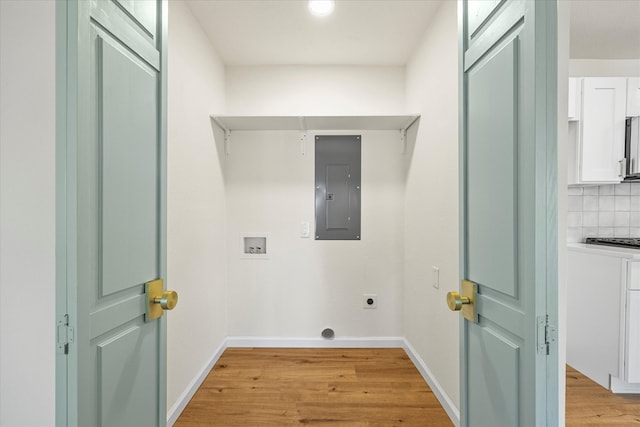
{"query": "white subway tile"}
(621, 232)
(574, 219)
(634, 219)
(622, 189)
(575, 191)
(621, 219)
(634, 232)
(622, 203)
(634, 203)
(575, 204)
(635, 188)
(590, 232)
(590, 191)
(605, 203)
(590, 203)
(605, 232)
(606, 219)
(606, 190)
(590, 219)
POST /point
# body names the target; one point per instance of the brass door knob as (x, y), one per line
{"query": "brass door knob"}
(455, 301)
(168, 300)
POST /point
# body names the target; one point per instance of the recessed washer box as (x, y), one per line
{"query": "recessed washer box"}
(254, 245)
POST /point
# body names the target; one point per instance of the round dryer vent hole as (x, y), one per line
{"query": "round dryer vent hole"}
(328, 333)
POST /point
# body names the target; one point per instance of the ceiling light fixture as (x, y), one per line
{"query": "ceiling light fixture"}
(321, 8)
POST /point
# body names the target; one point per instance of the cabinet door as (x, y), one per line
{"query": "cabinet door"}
(633, 96)
(602, 133)
(632, 347)
(594, 315)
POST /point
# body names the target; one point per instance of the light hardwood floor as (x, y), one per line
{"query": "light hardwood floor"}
(337, 387)
(355, 387)
(589, 404)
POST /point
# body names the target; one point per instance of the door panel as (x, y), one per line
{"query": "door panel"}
(129, 165)
(126, 382)
(492, 173)
(507, 162)
(479, 11)
(133, 30)
(142, 13)
(501, 380)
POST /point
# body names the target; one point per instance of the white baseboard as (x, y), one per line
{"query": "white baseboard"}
(191, 389)
(382, 342)
(623, 387)
(444, 399)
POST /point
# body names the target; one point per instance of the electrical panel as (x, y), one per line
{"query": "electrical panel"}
(338, 187)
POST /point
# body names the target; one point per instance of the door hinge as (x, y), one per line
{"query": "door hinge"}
(64, 335)
(547, 334)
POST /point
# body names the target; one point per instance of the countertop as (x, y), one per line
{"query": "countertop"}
(614, 251)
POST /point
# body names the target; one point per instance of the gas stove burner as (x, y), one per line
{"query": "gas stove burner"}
(626, 242)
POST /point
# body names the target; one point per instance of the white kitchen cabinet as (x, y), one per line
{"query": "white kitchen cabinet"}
(633, 96)
(600, 145)
(631, 354)
(603, 315)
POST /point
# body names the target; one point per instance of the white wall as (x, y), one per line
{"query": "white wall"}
(431, 202)
(604, 67)
(27, 213)
(306, 285)
(196, 203)
(314, 90)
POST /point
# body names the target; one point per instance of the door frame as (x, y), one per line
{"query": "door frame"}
(66, 221)
(65, 198)
(552, 218)
(546, 38)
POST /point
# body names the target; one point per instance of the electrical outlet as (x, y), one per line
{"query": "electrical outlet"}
(370, 300)
(436, 277)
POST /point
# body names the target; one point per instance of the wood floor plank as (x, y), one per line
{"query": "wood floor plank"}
(337, 387)
(589, 404)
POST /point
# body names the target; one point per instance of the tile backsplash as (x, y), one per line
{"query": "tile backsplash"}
(603, 211)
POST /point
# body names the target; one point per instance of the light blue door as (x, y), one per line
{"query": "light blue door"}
(115, 209)
(508, 222)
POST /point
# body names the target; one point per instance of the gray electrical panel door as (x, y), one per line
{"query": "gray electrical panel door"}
(338, 187)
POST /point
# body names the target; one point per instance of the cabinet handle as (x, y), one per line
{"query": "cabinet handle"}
(623, 165)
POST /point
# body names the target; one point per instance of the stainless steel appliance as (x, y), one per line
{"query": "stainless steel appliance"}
(632, 148)
(626, 242)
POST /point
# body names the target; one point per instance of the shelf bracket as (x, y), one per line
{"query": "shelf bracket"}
(403, 141)
(403, 134)
(303, 135)
(227, 135)
(227, 142)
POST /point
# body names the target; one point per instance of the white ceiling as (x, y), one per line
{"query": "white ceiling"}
(359, 32)
(381, 32)
(605, 29)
